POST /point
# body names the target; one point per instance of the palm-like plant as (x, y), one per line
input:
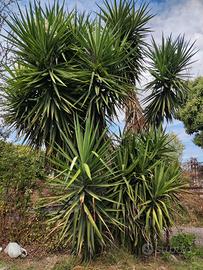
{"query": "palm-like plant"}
(103, 62)
(151, 183)
(168, 67)
(37, 102)
(69, 64)
(84, 192)
(161, 202)
(66, 63)
(130, 23)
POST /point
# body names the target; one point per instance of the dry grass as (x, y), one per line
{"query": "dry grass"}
(113, 260)
(193, 215)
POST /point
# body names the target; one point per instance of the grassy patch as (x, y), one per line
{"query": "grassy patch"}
(114, 259)
(68, 264)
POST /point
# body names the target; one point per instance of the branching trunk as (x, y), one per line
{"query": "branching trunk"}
(134, 116)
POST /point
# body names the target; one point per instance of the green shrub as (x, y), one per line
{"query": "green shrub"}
(135, 182)
(20, 170)
(184, 244)
(20, 167)
(80, 209)
(152, 181)
(20, 155)
(183, 241)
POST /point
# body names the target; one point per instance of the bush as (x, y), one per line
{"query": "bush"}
(184, 244)
(80, 210)
(152, 181)
(104, 191)
(20, 168)
(183, 241)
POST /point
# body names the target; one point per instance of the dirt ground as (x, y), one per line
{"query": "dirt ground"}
(31, 262)
(56, 262)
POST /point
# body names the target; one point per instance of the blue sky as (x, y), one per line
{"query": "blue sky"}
(177, 17)
(185, 17)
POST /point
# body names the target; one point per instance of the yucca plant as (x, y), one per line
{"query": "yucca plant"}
(68, 63)
(130, 21)
(65, 63)
(37, 103)
(151, 183)
(83, 214)
(148, 147)
(103, 61)
(169, 63)
(72, 73)
(161, 201)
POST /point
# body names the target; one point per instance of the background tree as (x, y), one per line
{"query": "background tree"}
(191, 113)
(177, 144)
(169, 63)
(5, 56)
(5, 8)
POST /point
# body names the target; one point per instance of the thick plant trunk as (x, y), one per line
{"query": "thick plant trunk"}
(134, 116)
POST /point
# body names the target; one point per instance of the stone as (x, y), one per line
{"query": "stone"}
(79, 268)
(173, 258)
(14, 250)
(162, 268)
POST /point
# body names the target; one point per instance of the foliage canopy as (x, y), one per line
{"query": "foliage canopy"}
(69, 63)
(192, 112)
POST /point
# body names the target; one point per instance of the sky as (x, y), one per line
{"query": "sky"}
(182, 17)
(176, 17)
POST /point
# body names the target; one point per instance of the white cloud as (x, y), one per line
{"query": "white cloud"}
(181, 17)
(82, 5)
